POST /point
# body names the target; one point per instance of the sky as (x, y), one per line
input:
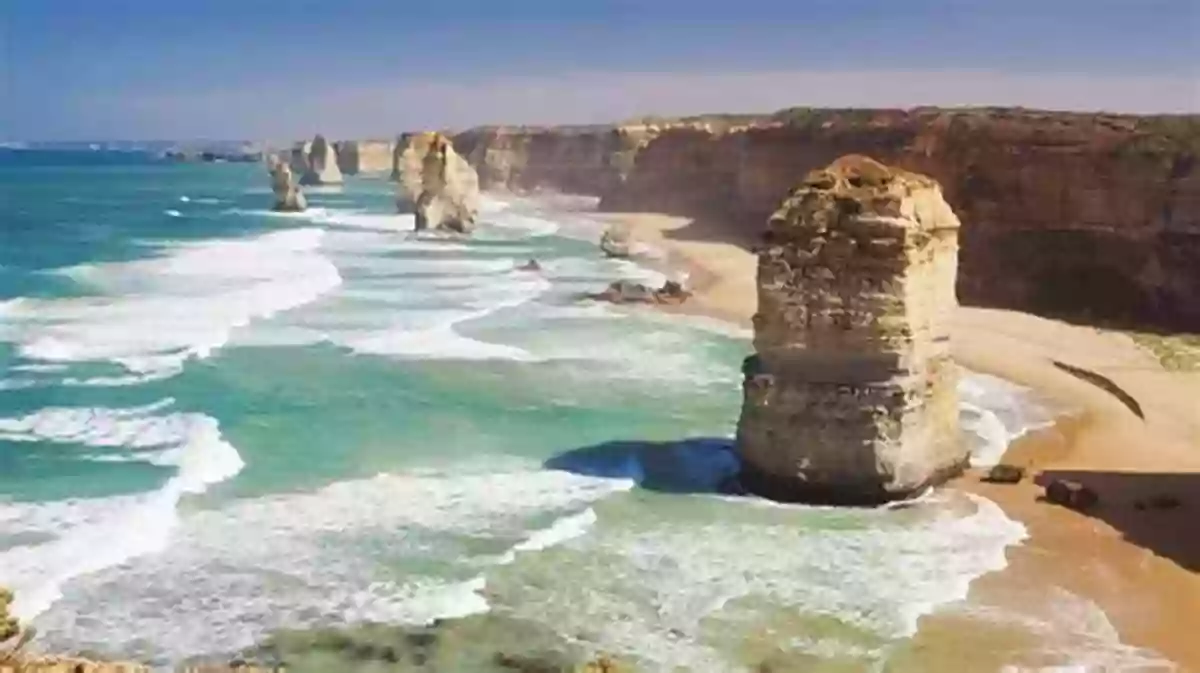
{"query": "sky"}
(281, 69)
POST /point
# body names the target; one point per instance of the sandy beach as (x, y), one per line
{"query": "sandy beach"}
(1139, 564)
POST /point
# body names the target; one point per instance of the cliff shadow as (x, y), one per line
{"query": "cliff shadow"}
(1158, 511)
(692, 465)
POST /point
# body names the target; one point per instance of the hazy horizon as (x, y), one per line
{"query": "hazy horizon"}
(76, 70)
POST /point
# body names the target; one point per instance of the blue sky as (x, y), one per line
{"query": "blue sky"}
(134, 69)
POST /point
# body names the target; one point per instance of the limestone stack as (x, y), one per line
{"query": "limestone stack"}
(288, 197)
(320, 163)
(851, 395)
(435, 183)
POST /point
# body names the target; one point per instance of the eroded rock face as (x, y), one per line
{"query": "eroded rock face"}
(1085, 216)
(435, 183)
(851, 396)
(320, 163)
(288, 197)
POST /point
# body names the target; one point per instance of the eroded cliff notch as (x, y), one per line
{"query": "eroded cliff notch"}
(851, 396)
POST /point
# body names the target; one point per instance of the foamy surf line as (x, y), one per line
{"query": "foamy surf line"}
(155, 314)
(91, 535)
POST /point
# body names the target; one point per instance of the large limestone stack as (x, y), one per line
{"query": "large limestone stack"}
(320, 163)
(851, 395)
(435, 183)
(288, 197)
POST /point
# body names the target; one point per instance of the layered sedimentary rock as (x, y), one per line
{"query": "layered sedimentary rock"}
(435, 183)
(318, 162)
(355, 157)
(850, 397)
(288, 197)
(1086, 216)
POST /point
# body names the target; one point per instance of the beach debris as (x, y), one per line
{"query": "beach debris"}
(630, 292)
(434, 183)
(851, 396)
(531, 265)
(1005, 474)
(288, 197)
(317, 162)
(1071, 494)
(616, 242)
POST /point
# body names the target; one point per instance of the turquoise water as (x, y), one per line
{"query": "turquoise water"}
(216, 421)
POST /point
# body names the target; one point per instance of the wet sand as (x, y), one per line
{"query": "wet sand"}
(1139, 564)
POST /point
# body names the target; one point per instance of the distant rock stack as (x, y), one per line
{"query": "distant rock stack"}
(320, 163)
(288, 197)
(851, 396)
(435, 183)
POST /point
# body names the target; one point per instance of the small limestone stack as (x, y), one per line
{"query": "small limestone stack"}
(320, 163)
(435, 183)
(288, 197)
(851, 395)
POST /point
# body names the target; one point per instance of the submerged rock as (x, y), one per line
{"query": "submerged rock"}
(483, 643)
(851, 395)
(435, 183)
(319, 163)
(531, 265)
(288, 197)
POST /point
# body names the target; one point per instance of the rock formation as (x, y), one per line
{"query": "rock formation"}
(850, 397)
(1084, 216)
(435, 183)
(288, 197)
(320, 163)
(364, 156)
(616, 242)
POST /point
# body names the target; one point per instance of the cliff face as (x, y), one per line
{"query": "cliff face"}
(850, 396)
(582, 160)
(364, 156)
(1074, 215)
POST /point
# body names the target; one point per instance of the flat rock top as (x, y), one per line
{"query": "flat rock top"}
(855, 175)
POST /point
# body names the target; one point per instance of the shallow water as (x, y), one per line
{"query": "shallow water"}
(216, 421)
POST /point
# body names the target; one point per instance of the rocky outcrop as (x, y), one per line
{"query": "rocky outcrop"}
(629, 292)
(435, 183)
(317, 162)
(616, 242)
(1084, 216)
(288, 197)
(355, 157)
(850, 397)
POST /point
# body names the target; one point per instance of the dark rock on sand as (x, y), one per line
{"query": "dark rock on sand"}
(629, 292)
(1005, 474)
(1071, 494)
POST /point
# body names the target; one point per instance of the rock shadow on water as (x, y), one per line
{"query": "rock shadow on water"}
(695, 465)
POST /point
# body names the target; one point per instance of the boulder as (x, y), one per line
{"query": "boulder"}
(1005, 474)
(435, 183)
(320, 163)
(1071, 494)
(531, 265)
(288, 197)
(850, 397)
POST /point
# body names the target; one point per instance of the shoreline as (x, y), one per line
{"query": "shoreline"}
(1141, 567)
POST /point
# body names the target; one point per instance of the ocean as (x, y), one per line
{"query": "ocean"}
(217, 421)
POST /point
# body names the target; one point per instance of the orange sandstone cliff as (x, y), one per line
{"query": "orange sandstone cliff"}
(1085, 216)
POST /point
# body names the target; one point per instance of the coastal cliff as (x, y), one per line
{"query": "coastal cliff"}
(850, 397)
(1085, 216)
